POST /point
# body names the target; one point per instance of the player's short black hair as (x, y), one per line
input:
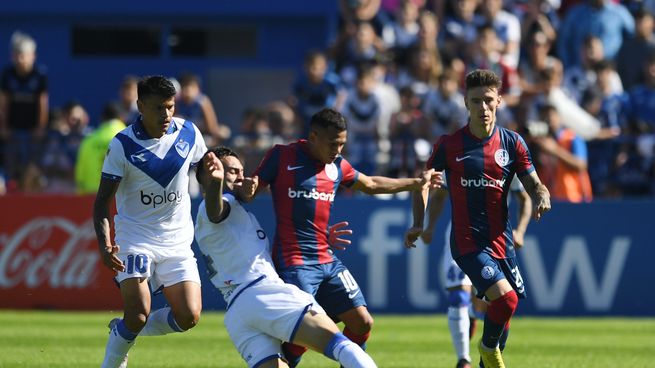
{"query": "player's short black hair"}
(220, 152)
(155, 85)
(483, 78)
(328, 118)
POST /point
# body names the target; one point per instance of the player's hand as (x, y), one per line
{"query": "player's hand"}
(214, 166)
(334, 233)
(542, 207)
(412, 235)
(426, 236)
(249, 186)
(110, 258)
(518, 239)
(431, 179)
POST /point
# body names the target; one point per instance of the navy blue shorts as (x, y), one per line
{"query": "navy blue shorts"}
(485, 270)
(334, 288)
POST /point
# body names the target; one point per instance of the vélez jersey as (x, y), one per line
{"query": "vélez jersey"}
(152, 200)
(303, 190)
(236, 249)
(478, 175)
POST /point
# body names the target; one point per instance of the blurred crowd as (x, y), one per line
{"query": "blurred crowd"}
(578, 84)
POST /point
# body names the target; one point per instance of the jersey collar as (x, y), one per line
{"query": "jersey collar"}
(141, 133)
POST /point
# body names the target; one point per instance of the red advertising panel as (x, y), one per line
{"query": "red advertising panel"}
(49, 256)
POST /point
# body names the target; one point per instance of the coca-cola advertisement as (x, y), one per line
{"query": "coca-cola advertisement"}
(49, 256)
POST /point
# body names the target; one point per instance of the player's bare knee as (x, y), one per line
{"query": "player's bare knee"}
(188, 319)
(362, 326)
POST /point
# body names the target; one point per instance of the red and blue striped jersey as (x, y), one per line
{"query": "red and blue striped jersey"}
(478, 175)
(303, 190)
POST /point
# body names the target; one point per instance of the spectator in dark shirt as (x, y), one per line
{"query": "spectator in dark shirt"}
(23, 106)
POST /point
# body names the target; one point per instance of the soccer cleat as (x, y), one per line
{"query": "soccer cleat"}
(112, 324)
(463, 363)
(491, 358)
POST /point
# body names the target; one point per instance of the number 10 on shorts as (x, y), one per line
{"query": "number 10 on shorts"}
(348, 282)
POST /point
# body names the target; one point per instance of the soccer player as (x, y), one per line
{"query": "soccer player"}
(304, 177)
(147, 170)
(262, 310)
(461, 323)
(480, 159)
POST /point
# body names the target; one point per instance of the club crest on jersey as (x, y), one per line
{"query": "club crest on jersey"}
(139, 156)
(487, 272)
(182, 148)
(502, 157)
(331, 171)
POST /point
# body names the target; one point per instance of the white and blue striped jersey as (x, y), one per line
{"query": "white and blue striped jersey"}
(154, 208)
(236, 249)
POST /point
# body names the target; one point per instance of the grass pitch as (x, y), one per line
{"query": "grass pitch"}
(77, 339)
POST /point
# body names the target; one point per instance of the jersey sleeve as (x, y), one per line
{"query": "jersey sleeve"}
(523, 162)
(349, 174)
(437, 159)
(114, 166)
(267, 169)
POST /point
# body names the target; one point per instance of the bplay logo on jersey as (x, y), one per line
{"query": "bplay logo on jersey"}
(482, 183)
(313, 194)
(155, 200)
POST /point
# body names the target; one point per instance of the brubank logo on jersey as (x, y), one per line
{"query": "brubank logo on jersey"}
(155, 200)
(482, 182)
(313, 194)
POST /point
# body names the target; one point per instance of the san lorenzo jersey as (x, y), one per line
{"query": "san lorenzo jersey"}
(303, 190)
(236, 249)
(478, 174)
(152, 200)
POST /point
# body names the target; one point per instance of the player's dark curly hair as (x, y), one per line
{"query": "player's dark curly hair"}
(155, 85)
(220, 152)
(328, 118)
(483, 78)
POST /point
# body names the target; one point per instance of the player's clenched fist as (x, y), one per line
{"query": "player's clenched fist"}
(411, 236)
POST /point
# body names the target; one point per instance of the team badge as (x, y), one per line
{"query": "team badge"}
(487, 272)
(502, 157)
(331, 171)
(182, 148)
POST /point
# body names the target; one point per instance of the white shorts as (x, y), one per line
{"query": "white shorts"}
(162, 267)
(264, 315)
(453, 276)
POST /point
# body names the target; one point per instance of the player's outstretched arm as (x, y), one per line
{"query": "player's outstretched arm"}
(538, 192)
(419, 202)
(108, 251)
(382, 184)
(215, 207)
(524, 213)
(435, 206)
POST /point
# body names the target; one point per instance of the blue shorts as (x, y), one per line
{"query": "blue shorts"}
(485, 270)
(334, 288)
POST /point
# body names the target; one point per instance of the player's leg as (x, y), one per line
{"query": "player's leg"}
(179, 280)
(307, 279)
(318, 332)
(344, 301)
(458, 286)
(136, 300)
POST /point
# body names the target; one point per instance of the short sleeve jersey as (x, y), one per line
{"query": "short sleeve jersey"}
(479, 174)
(236, 249)
(303, 190)
(152, 200)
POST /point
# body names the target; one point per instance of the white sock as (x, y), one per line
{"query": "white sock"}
(458, 324)
(119, 343)
(350, 355)
(160, 322)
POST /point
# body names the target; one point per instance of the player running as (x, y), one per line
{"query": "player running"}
(147, 170)
(304, 177)
(262, 311)
(480, 160)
